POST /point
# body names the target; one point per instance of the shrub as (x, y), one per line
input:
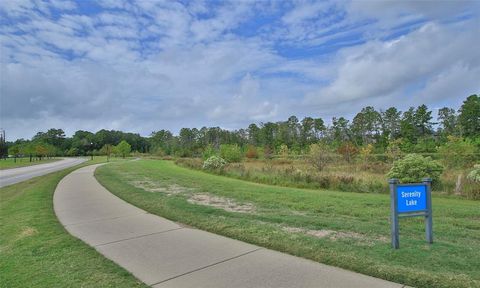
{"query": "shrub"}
(348, 151)
(209, 152)
(231, 153)
(320, 156)
(413, 168)
(474, 175)
(394, 151)
(214, 163)
(251, 152)
(193, 163)
(457, 152)
(267, 152)
(283, 151)
(366, 155)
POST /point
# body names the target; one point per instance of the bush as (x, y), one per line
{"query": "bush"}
(251, 152)
(214, 163)
(320, 156)
(209, 152)
(348, 151)
(413, 168)
(231, 153)
(283, 151)
(457, 152)
(394, 151)
(474, 175)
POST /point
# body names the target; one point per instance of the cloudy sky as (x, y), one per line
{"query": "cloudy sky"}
(142, 66)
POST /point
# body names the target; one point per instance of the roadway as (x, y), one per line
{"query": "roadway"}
(16, 175)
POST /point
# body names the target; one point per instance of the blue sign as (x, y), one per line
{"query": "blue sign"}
(411, 198)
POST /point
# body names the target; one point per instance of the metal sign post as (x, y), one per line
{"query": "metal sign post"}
(410, 200)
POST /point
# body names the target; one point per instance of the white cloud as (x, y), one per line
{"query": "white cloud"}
(386, 69)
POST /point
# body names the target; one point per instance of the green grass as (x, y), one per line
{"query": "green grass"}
(452, 261)
(35, 249)
(22, 162)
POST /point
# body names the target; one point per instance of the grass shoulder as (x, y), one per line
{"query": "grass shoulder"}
(348, 230)
(36, 250)
(10, 163)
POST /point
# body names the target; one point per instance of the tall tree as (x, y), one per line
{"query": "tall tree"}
(448, 121)
(366, 125)
(307, 133)
(423, 118)
(340, 131)
(319, 126)
(469, 116)
(391, 123)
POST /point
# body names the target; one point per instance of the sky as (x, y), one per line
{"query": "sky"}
(143, 66)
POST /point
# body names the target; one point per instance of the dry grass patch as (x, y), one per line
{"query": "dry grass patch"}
(337, 235)
(154, 187)
(226, 204)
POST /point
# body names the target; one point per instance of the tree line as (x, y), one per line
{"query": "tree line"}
(413, 130)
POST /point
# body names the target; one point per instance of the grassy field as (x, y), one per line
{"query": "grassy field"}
(349, 230)
(22, 162)
(35, 249)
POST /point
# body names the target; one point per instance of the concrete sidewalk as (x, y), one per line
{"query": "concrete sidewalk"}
(162, 253)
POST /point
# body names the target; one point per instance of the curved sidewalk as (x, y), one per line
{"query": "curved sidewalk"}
(162, 253)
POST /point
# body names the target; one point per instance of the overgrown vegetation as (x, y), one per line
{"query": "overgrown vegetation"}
(348, 230)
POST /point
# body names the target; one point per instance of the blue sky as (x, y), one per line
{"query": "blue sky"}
(142, 66)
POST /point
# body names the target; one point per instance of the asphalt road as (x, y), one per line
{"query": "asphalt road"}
(15, 175)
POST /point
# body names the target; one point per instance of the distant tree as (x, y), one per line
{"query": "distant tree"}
(340, 131)
(319, 127)
(107, 150)
(408, 129)
(307, 133)
(391, 123)
(366, 125)
(53, 136)
(253, 135)
(423, 121)
(41, 150)
(448, 121)
(320, 156)
(469, 116)
(14, 151)
(124, 148)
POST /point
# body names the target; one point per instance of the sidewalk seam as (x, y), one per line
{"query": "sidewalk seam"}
(205, 267)
(140, 236)
(100, 220)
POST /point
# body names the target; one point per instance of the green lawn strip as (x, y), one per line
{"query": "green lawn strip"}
(36, 250)
(453, 260)
(22, 162)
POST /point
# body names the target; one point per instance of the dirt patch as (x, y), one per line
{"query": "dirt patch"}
(226, 204)
(27, 232)
(337, 235)
(155, 187)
